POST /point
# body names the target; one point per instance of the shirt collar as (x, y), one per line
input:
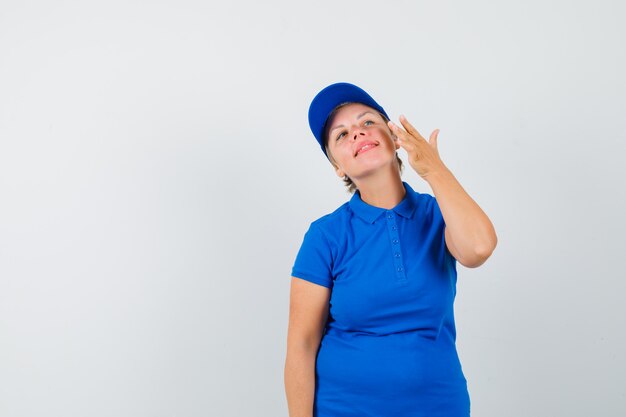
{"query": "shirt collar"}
(405, 208)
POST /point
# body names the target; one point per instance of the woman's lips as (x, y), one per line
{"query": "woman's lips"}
(365, 147)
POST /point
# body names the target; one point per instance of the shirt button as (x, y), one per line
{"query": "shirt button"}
(393, 227)
(395, 241)
(397, 255)
(400, 269)
(389, 216)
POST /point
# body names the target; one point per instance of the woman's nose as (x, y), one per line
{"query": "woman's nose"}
(357, 134)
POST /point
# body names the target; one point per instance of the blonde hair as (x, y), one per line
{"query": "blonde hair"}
(351, 187)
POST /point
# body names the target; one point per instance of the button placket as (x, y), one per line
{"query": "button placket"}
(396, 248)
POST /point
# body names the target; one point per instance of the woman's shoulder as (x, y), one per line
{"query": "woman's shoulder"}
(327, 228)
(330, 220)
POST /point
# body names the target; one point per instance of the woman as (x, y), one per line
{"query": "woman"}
(371, 323)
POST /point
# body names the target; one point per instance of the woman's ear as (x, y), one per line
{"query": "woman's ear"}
(338, 170)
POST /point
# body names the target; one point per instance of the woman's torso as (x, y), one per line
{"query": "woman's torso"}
(390, 336)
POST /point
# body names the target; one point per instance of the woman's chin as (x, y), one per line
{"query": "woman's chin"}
(372, 169)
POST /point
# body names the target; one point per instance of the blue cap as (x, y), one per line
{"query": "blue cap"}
(332, 96)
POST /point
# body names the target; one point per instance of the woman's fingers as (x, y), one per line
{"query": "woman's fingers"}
(406, 141)
(397, 130)
(409, 127)
(405, 138)
(400, 133)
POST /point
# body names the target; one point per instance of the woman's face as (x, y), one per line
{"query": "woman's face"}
(360, 141)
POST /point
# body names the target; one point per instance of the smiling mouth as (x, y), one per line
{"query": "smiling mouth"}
(365, 149)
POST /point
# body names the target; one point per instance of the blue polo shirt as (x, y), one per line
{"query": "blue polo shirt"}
(388, 347)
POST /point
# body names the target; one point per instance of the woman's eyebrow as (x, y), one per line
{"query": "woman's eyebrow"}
(358, 117)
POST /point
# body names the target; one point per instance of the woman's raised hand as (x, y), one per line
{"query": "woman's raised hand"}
(423, 155)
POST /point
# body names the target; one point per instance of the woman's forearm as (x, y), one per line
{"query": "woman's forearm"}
(300, 380)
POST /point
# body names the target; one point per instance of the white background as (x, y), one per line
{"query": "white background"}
(157, 175)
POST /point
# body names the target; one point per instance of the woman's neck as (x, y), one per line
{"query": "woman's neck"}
(384, 190)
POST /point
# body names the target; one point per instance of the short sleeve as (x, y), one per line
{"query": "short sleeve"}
(314, 260)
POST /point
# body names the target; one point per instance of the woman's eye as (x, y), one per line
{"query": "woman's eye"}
(341, 135)
(368, 121)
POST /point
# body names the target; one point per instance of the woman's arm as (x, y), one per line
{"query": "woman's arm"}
(470, 236)
(308, 312)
